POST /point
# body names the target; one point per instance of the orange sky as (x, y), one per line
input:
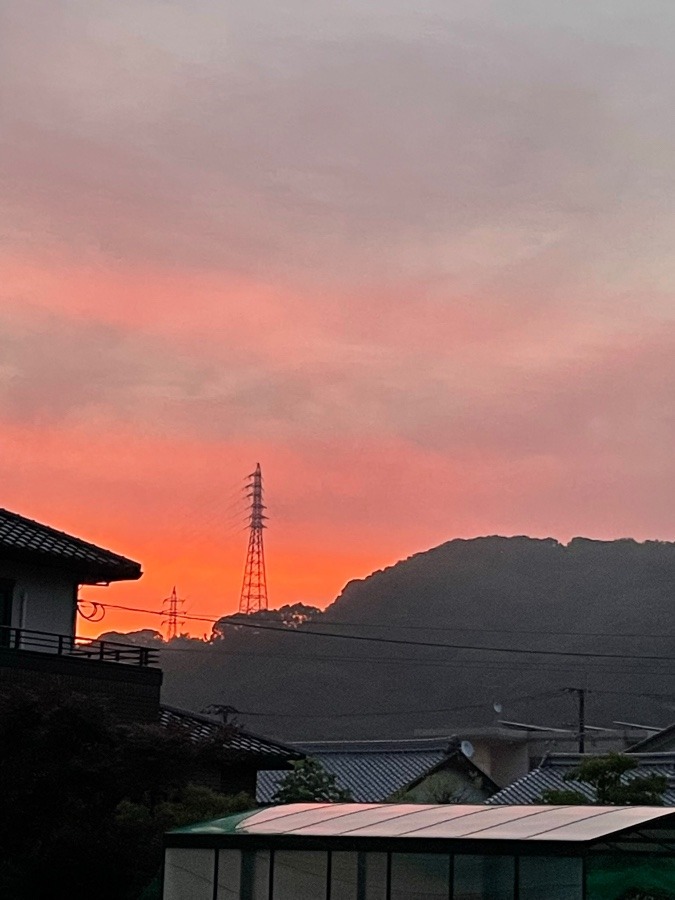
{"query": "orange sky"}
(415, 261)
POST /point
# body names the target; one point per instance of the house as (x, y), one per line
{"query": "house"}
(550, 775)
(41, 570)
(422, 771)
(660, 741)
(242, 755)
(349, 851)
(507, 751)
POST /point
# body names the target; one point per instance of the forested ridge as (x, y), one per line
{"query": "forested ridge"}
(610, 602)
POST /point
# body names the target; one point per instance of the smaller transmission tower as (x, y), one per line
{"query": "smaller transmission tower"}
(171, 609)
(254, 586)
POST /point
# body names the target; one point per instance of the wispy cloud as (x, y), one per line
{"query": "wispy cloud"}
(371, 243)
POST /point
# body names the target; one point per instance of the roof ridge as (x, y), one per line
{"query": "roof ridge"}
(205, 719)
(24, 539)
(64, 534)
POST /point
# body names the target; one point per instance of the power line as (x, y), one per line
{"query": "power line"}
(542, 695)
(528, 651)
(401, 712)
(484, 666)
(472, 647)
(451, 628)
(481, 630)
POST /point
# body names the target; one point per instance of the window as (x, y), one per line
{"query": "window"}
(550, 877)
(418, 876)
(188, 873)
(375, 875)
(255, 875)
(484, 878)
(6, 599)
(229, 875)
(343, 875)
(358, 876)
(300, 875)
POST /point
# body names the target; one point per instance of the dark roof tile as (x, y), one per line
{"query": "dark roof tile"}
(371, 771)
(550, 776)
(201, 727)
(25, 539)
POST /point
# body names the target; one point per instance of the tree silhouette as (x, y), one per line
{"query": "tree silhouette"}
(307, 782)
(606, 776)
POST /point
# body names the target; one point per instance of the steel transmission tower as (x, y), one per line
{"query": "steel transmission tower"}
(254, 586)
(171, 609)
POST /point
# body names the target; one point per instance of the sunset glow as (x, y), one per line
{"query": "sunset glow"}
(417, 262)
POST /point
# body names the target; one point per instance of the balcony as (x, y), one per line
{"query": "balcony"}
(126, 677)
(82, 648)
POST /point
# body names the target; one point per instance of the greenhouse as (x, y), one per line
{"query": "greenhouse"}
(348, 851)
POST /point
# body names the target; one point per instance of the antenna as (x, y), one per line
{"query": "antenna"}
(467, 749)
(171, 608)
(254, 586)
(653, 728)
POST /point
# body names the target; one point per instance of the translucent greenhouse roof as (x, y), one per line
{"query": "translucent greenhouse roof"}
(444, 822)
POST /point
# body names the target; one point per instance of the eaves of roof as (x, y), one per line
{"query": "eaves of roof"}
(237, 744)
(24, 540)
(663, 740)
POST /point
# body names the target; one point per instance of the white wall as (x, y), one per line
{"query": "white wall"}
(48, 598)
(503, 762)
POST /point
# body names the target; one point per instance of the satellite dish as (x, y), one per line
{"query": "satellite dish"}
(467, 749)
(497, 706)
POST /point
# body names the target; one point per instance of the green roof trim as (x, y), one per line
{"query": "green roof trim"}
(226, 825)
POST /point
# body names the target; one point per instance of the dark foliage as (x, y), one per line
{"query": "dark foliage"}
(85, 799)
(587, 596)
(606, 776)
(286, 616)
(309, 782)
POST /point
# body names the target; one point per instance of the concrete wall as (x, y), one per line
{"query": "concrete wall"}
(44, 598)
(504, 762)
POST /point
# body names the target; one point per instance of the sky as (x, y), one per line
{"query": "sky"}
(415, 258)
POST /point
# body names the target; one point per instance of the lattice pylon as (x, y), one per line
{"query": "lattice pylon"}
(254, 586)
(172, 608)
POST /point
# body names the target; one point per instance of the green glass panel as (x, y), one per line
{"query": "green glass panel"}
(300, 875)
(550, 878)
(344, 875)
(375, 876)
(484, 877)
(229, 875)
(627, 877)
(188, 873)
(420, 876)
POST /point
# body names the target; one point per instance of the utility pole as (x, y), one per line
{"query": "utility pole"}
(254, 586)
(171, 609)
(581, 699)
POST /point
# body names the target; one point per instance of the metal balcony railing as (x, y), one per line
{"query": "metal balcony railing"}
(82, 648)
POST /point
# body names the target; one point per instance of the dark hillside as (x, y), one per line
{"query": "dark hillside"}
(587, 597)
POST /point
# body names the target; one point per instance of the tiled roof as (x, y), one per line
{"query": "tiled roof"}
(238, 743)
(550, 777)
(24, 539)
(371, 771)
